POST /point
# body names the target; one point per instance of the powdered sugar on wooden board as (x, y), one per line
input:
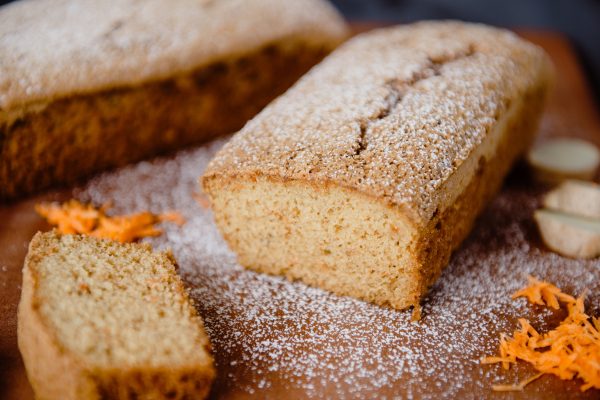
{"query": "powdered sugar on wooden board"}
(273, 338)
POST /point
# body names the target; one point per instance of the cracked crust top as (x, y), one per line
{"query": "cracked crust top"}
(392, 113)
(54, 48)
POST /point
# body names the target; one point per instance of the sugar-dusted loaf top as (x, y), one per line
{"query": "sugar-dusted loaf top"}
(52, 48)
(392, 113)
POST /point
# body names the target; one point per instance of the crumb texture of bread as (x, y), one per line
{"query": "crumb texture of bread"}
(99, 319)
(141, 78)
(378, 161)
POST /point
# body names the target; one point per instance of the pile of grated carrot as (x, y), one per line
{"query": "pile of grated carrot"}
(571, 350)
(75, 217)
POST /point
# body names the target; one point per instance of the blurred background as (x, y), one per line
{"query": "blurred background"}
(579, 20)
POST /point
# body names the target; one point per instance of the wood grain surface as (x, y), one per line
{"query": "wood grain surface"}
(571, 112)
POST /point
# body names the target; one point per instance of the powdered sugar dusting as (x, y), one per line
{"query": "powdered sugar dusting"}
(274, 338)
(398, 128)
(127, 42)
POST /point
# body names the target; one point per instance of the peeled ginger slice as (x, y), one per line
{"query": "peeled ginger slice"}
(575, 197)
(569, 235)
(565, 158)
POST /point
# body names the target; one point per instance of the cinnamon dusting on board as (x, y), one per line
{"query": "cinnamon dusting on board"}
(74, 217)
(571, 350)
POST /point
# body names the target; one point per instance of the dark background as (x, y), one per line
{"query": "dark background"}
(579, 20)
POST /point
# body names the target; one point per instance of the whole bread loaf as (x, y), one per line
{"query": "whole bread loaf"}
(87, 84)
(371, 169)
(104, 320)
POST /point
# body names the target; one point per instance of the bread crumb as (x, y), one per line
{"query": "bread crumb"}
(416, 313)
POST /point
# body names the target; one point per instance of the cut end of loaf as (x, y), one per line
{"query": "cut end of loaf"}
(115, 317)
(324, 235)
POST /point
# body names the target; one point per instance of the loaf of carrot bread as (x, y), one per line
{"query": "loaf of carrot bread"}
(104, 320)
(87, 85)
(371, 169)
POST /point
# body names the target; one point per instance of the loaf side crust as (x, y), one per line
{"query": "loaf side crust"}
(51, 49)
(71, 138)
(447, 229)
(57, 372)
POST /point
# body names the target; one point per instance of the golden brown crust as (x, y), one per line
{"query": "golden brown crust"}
(55, 370)
(50, 49)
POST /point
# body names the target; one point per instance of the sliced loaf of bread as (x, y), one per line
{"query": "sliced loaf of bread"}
(366, 175)
(99, 319)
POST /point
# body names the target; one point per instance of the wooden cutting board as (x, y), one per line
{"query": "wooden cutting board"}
(274, 339)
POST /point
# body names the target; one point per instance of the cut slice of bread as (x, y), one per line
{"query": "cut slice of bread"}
(99, 319)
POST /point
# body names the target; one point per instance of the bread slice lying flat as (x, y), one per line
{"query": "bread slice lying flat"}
(367, 173)
(99, 319)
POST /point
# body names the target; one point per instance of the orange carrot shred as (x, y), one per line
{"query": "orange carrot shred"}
(74, 217)
(543, 294)
(519, 386)
(570, 350)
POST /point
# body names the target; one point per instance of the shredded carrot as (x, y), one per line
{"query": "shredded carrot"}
(75, 217)
(571, 350)
(543, 294)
